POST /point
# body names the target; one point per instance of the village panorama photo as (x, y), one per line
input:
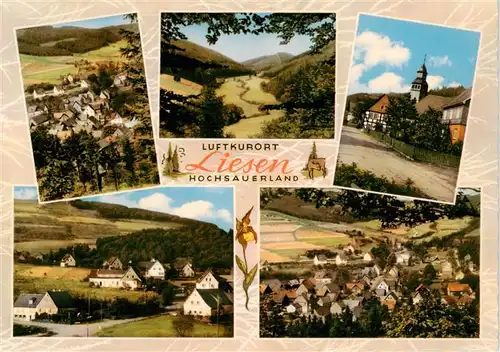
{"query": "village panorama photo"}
(88, 109)
(343, 263)
(407, 109)
(143, 263)
(247, 75)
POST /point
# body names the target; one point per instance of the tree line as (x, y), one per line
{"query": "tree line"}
(390, 210)
(206, 244)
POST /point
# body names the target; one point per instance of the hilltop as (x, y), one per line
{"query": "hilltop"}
(290, 66)
(267, 62)
(79, 221)
(68, 40)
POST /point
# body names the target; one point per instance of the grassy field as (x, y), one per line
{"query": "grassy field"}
(328, 241)
(247, 128)
(36, 279)
(49, 69)
(40, 228)
(185, 88)
(157, 327)
(291, 253)
(45, 246)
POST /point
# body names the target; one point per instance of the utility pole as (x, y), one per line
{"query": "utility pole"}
(88, 315)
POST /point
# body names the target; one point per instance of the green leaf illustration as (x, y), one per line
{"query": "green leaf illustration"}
(241, 265)
(251, 275)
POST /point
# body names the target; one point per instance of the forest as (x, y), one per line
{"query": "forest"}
(206, 244)
(52, 41)
(304, 88)
(79, 165)
(391, 211)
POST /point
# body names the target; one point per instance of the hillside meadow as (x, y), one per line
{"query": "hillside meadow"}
(49, 69)
(40, 228)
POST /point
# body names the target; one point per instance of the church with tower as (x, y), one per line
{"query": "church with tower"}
(419, 86)
(455, 109)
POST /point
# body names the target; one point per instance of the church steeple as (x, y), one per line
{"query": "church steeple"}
(419, 86)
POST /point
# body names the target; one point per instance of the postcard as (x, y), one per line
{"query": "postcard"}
(87, 106)
(410, 93)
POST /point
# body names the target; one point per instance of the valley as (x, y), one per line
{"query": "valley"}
(246, 90)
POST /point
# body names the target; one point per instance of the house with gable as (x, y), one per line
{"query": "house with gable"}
(28, 306)
(403, 257)
(152, 269)
(211, 296)
(84, 84)
(39, 94)
(67, 260)
(113, 263)
(320, 260)
(115, 278)
(184, 267)
(376, 115)
(58, 90)
(341, 259)
(120, 80)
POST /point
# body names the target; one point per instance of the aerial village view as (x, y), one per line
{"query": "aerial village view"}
(88, 108)
(247, 75)
(144, 263)
(342, 263)
(407, 108)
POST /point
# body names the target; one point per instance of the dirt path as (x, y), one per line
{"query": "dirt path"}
(247, 93)
(369, 154)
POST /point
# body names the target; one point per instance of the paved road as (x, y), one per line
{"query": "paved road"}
(437, 182)
(77, 330)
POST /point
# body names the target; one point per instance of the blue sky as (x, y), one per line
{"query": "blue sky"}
(389, 52)
(211, 204)
(97, 22)
(241, 47)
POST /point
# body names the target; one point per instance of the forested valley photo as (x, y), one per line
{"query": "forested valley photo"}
(243, 75)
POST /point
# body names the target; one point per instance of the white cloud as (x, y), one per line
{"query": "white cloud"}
(438, 61)
(388, 82)
(435, 82)
(25, 193)
(198, 209)
(454, 84)
(376, 49)
(373, 49)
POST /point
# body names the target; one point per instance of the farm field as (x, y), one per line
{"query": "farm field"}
(157, 327)
(186, 88)
(45, 246)
(49, 69)
(50, 272)
(300, 235)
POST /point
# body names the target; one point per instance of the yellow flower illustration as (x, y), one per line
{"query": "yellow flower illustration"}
(245, 234)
